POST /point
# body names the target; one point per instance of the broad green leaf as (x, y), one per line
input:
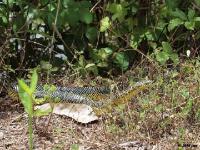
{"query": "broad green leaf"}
(149, 36)
(72, 15)
(180, 14)
(197, 19)
(118, 10)
(162, 57)
(121, 60)
(191, 14)
(190, 25)
(174, 23)
(25, 98)
(34, 80)
(86, 16)
(104, 53)
(24, 87)
(167, 47)
(105, 24)
(91, 34)
(3, 19)
(135, 41)
(26, 101)
(89, 65)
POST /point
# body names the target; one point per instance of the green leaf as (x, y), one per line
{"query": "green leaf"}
(149, 36)
(121, 60)
(197, 19)
(24, 87)
(105, 24)
(104, 53)
(180, 14)
(191, 14)
(174, 23)
(71, 15)
(86, 16)
(166, 47)
(25, 96)
(190, 25)
(89, 65)
(135, 41)
(34, 80)
(118, 10)
(26, 101)
(91, 34)
(162, 57)
(174, 57)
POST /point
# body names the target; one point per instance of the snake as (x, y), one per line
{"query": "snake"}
(89, 95)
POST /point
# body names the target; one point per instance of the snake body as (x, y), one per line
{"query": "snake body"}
(84, 95)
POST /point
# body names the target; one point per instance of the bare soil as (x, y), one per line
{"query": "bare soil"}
(63, 133)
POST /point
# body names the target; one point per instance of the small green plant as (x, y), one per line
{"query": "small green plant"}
(166, 54)
(181, 138)
(26, 95)
(74, 147)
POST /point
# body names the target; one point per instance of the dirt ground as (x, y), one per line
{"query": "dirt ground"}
(64, 133)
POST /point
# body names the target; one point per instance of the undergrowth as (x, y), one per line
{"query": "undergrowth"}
(169, 108)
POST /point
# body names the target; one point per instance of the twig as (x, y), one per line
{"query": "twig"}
(95, 6)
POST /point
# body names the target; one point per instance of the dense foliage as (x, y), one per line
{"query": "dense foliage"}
(96, 36)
